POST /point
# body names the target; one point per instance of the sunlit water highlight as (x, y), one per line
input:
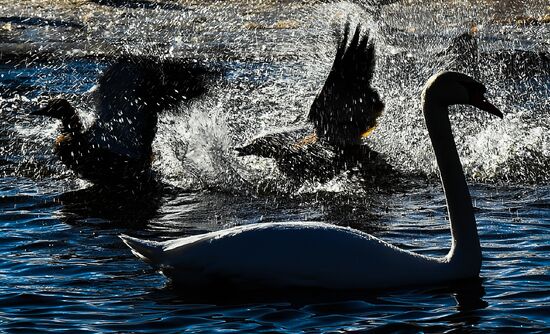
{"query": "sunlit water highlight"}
(63, 267)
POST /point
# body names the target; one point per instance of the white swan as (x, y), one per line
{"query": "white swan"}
(319, 255)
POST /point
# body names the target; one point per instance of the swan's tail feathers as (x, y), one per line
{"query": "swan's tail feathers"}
(148, 251)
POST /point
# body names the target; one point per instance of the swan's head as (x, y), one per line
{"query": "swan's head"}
(450, 88)
(56, 108)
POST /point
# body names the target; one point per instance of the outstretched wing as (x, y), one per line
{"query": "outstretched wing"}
(347, 106)
(129, 95)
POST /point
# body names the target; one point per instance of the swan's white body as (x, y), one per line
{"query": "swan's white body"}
(319, 255)
(288, 255)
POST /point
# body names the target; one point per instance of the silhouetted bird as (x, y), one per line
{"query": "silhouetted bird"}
(116, 148)
(464, 54)
(344, 111)
(301, 160)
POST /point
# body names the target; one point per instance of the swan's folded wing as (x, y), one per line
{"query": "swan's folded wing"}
(347, 106)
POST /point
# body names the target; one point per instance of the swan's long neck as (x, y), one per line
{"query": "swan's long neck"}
(465, 251)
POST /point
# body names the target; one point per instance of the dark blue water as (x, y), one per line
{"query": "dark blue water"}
(64, 269)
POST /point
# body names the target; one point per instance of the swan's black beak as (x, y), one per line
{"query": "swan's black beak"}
(481, 102)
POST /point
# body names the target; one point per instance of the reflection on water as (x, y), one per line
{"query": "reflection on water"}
(119, 206)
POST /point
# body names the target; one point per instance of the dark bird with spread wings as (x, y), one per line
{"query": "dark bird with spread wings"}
(344, 111)
(117, 147)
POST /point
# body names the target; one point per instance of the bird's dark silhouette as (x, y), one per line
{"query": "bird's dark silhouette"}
(345, 110)
(117, 147)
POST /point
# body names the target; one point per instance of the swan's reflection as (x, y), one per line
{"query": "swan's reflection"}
(469, 295)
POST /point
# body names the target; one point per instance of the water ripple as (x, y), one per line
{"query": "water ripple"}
(81, 277)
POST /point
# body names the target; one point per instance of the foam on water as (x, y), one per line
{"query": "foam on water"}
(196, 149)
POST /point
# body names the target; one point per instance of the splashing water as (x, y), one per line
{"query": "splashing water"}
(274, 65)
